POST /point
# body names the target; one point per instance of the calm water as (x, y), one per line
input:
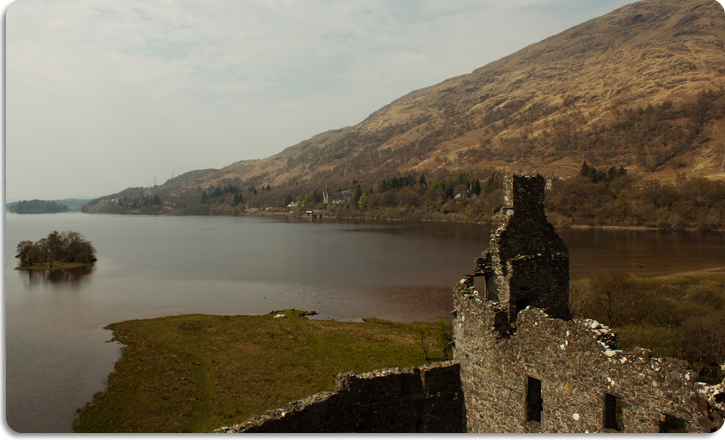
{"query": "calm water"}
(56, 354)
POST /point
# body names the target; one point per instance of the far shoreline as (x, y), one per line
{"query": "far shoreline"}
(365, 217)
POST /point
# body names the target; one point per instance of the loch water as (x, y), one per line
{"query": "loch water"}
(149, 266)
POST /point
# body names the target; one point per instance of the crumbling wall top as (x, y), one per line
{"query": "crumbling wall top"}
(525, 194)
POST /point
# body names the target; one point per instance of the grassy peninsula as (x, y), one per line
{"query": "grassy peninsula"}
(195, 373)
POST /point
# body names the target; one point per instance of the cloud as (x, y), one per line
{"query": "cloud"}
(118, 93)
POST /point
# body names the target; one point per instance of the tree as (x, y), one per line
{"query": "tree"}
(487, 187)
(28, 253)
(204, 197)
(477, 187)
(288, 200)
(69, 247)
(44, 247)
(77, 249)
(356, 195)
(444, 337)
(600, 297)
(585, 169)
(702, 343)
(612, 173)
(56, 246)
(423, 339)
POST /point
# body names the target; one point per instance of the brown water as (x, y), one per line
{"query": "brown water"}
(56, 357)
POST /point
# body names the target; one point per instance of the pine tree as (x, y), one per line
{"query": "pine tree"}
(356, 195)
(477, 187)
(585, 169)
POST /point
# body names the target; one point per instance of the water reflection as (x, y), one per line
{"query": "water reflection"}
(65, 278)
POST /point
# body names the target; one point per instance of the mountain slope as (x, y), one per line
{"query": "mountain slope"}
(641, 87)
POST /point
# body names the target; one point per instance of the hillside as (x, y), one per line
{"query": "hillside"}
(639, 88)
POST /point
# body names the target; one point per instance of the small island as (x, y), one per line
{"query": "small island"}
(37, 207)
(60, 250)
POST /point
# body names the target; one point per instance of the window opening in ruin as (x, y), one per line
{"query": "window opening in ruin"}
(673, 424)
(613, 412)
(534, 403)
(479, 284)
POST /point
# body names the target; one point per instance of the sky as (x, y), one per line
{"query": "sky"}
(102, 95)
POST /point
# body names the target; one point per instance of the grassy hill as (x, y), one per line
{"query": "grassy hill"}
(639, 88)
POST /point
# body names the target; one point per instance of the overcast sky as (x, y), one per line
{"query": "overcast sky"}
(102, 95)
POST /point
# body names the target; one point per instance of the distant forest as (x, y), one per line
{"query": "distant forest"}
(611, 197)
(72, 204)
(37, 207)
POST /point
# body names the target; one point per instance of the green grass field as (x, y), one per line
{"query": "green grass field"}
(195, 373)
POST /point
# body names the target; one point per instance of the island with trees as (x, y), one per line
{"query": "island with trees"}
(37, 207)
(60, 250)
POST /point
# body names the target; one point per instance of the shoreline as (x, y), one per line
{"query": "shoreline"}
(370, 218)
(59, 266)
(573, 226)
(716, 271)
(637, 228)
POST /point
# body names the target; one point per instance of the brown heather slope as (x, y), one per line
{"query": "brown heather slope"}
(624, 89)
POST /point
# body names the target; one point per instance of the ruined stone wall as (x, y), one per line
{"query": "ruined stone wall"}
(577, 366)
(527, 367)
(419, 399)
(529, 262)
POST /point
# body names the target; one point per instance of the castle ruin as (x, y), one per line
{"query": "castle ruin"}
(521, 363)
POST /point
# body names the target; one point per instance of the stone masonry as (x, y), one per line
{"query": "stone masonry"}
(526, 366)
(526, 263)
(419, 399)
(521, 364)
